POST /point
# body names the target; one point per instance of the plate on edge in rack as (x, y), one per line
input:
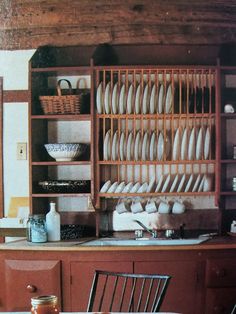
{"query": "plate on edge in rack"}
(184, 144)
(105, 186)
(113, 187)
(175, 181)
(135, 188)
(199, 145)
(159, 184)
(120, 187)
(200, 188)
(207, 143)
(166, 184)
(144, 147)
(114, 148)
(167, 146)
(128, 187)
(146, 99)
(168, 104)
(151, 185)
(196, 183)
(122, 146)
(161, 99)
(160, 146)
(115, 99)
(122, 100)
(138, 99)
(176, 145)
(143, 188)
(153, 100)
(181, 184)
(107, 98)
(130, 147)
(189, 183)
(107, 146)
(137, 146)
(152, 148)
(99, 99)
(129, 108)
(192, 144)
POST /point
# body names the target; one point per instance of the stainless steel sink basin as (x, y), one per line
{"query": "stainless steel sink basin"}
(142, 242)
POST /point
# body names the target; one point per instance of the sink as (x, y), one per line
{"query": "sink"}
(142, 242)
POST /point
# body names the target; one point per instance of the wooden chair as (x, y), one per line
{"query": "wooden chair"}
(126, 292)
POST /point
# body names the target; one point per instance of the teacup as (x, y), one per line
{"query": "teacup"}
(151, 207)
(136, 207)
(122, 207)
(164, 208)
(178, 208)
(228, 108)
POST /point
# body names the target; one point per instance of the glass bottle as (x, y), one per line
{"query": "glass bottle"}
(38, 229)
(46, 304)
(53, 223)
(28, 228)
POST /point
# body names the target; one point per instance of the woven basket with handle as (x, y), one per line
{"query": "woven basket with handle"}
(62, 104)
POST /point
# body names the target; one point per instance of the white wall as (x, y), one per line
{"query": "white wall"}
(14, 70)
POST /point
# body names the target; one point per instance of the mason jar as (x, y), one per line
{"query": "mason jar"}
(46, 304)
(38, 229)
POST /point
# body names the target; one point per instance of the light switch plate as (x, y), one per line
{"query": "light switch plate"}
(21, 153)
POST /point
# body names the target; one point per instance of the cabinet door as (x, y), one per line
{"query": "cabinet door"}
(181, 293)
(25, 279)
(82, 276)
(220, 300)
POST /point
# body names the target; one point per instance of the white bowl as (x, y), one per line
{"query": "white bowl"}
(65, 151)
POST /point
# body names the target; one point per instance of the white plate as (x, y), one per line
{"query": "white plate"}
(207, 143)
(181, 184)
(153, 99)
(107, 146)
(189, 183)
(129, 108)
(130, 147)
(105, 186)
(146, 99)
(167, 146)
(192, 144)
(137, 146)
(199, 145)
(184, 145)
(166, 184)
(175, 181)
(113, 187)
(144, 147)
(122, 100)
(160, 146)
(200, 188)
(151, 185)
(122, 146)
(135, 188)
(168, 104)
(99, 100)
(128, 187)
(137, 99)
(161, 99)
(107, 98)
(207, 184)
(120, 187)
(159, 184)
(143, 188)
(114, 148)
(196, 183)
(153, 145)
(176, 145)
(115, 99)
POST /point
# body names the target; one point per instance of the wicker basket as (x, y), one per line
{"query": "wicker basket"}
(62, 104)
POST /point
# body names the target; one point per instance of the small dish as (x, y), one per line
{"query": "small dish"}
(105, 186)
(143, 188)
(135, 188)
(113, 187)
(107, 98)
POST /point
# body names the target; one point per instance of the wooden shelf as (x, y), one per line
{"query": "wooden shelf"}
(61, 163)
(128, 195)
(70, 70)
(228, 161)
(163, 162)
(69, 117)
(35, 195)
(155, 116)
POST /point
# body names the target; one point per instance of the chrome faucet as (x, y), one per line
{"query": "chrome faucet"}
(151, 231)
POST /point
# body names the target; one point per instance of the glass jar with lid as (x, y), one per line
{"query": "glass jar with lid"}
(38, 229)
(46, 304)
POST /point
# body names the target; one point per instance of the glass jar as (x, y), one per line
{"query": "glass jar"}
(46, 304)
(28, 228)
(38, 229)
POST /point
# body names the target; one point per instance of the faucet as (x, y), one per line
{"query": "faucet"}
(151, 231)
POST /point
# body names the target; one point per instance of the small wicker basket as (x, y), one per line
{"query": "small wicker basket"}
(62, 104)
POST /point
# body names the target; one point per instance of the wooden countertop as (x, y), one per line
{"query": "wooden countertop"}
(217, 243)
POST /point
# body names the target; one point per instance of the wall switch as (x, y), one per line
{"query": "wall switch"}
(21, 153)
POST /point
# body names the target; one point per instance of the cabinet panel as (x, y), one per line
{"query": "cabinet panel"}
(181, 294)
(82, 276)
(220, 300)
(220, 273)
(30, 278)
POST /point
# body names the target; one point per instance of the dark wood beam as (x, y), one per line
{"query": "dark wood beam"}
(15, 96)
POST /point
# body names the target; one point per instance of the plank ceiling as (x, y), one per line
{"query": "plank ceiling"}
(28, 24)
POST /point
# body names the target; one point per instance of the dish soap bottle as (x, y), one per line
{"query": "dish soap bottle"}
(53, 223)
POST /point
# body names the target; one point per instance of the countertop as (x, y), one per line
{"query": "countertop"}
(216, 243)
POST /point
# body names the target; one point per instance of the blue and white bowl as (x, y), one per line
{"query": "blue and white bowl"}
(65, 151)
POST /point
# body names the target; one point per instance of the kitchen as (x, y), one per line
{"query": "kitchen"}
(169, 44)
